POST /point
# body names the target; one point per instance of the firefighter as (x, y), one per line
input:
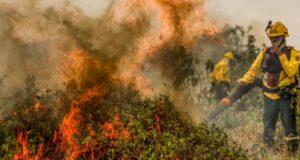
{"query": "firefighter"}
(220, 76)
(278, 67)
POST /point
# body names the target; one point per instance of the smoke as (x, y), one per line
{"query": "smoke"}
(144, 45)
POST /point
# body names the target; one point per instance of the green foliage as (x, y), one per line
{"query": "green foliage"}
(156, 131)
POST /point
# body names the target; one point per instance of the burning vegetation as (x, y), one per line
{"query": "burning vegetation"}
(74, 87)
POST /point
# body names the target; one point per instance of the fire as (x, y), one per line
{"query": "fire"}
(22, 140)
(68, 129)
(115, 129)
(69, 124)
(40, 150)
(74, 65)
(157, 120)
(160, 22)
(37, 104)
(55, 137)
(173, 21)
(92, 132)
(90, 93)
(25, 154)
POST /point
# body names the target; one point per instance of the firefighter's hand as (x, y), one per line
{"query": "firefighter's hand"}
(278, 50)
(226, 101)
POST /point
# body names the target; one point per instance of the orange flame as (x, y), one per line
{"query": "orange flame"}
(73, 65)
(172, 21)
(55, 137)
(157, 120)
(25, 154)
(115, 129)
(68, 129)
(22, 140)
(37, 105)
(70, 123)
(90, 93)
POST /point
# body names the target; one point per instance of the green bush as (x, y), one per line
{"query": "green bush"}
(146, 129)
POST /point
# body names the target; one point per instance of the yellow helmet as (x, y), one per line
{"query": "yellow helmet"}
(229, 55)
(278, 29)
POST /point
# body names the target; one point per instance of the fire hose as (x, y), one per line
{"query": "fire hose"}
(241, 89)
(237, 92)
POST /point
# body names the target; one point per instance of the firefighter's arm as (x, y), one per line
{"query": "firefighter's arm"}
(290, 67)
(254, 69)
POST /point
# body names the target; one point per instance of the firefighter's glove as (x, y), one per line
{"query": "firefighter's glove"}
(226, 101)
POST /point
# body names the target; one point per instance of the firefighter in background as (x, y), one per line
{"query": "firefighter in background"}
(220, 76)
(278, 67)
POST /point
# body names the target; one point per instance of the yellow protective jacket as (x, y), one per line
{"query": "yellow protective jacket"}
(221, 72)
(286, 77)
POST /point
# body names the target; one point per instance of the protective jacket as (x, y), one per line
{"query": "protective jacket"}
(276, 71)
(221, 72)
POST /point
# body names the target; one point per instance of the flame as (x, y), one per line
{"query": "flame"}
(40, 150)
(157, 120)
(115, 129)
(92, 132)
(89, 94)
(146, 45)
(74, 65)
(37, 105)
(55, 137)
(172, 21)
(22, 140)
(25, 154)
(68, 129)
(69, 124)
